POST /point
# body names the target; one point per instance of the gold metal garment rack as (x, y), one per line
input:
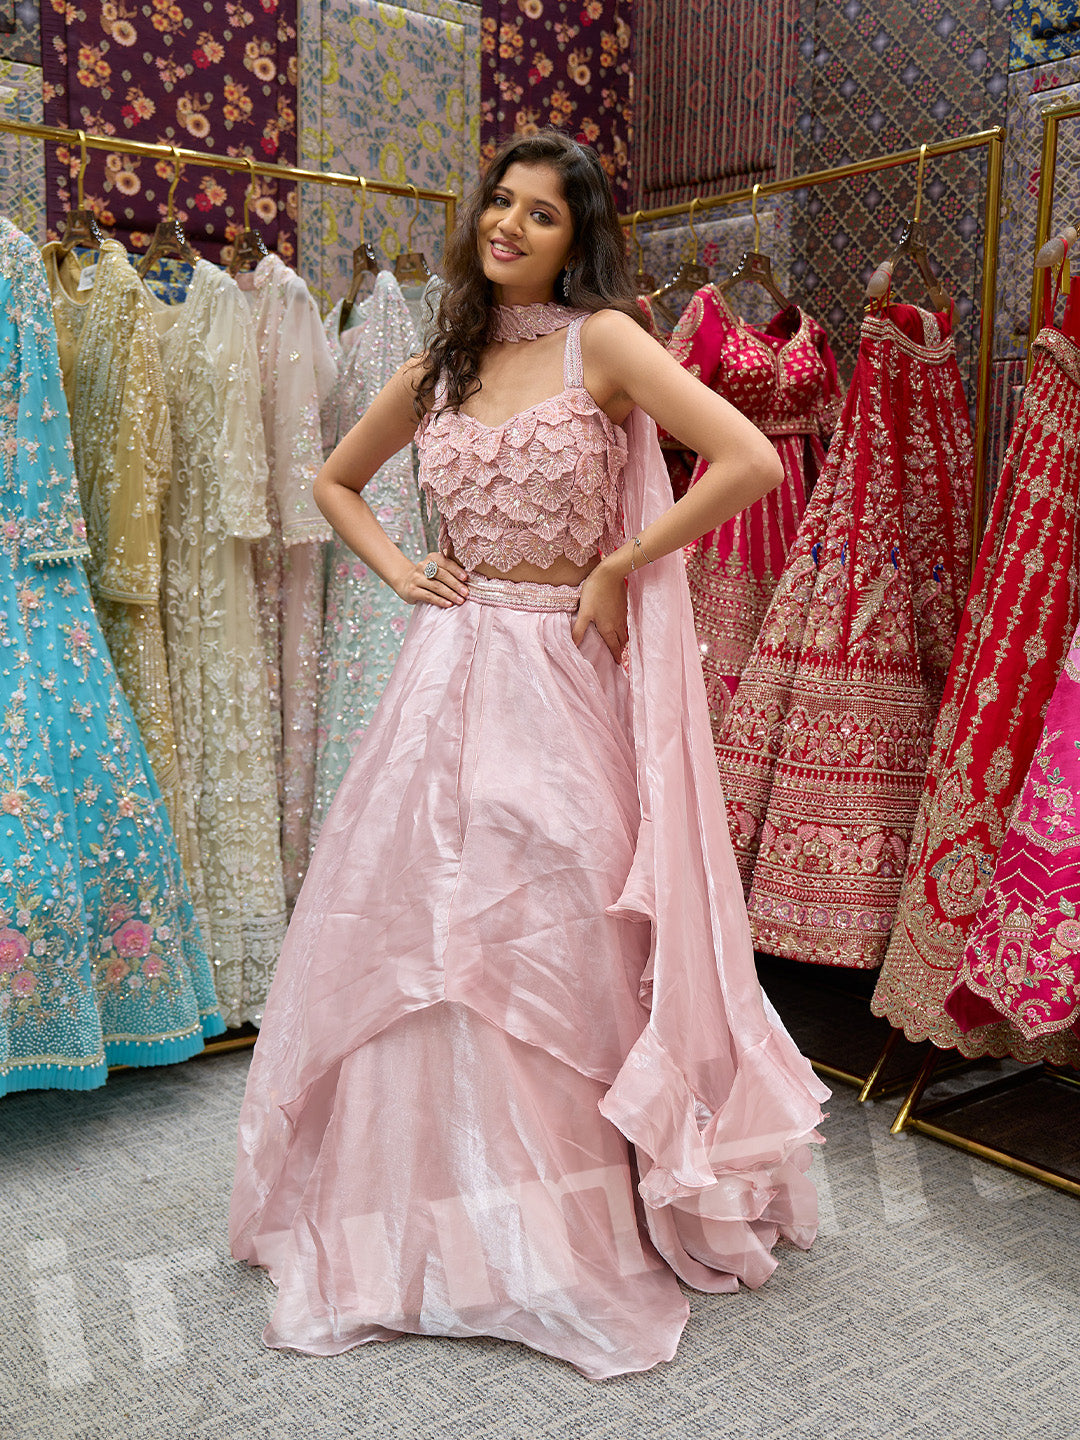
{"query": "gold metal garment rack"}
(994, 142)
(1052, 118)
(120, 145)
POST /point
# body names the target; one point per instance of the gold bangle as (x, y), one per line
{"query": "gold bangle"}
(640, 547)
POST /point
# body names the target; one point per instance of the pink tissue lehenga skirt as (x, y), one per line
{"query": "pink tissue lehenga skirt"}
(421, 1146)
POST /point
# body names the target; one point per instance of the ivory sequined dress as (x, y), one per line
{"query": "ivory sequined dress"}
(520, 949)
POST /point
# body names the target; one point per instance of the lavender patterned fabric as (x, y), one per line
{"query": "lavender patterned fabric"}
(391, 92)
(22, 168)
(218, 79)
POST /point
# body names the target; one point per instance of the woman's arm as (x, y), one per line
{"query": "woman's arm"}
(386, 427)
(625, 367)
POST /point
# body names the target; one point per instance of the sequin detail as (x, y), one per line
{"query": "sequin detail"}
(541, 486)
(529, 322)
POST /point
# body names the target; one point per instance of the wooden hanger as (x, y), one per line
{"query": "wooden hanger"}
(81, 226)
(913, 243)
(411, 265)
(644, 283)
(169, 237)
(249, 247)
(363, 261)
(755, 267)
(689, 276)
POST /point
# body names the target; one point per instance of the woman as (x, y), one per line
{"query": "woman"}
(522, 944)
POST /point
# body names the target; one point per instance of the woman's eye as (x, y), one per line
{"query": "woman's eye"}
(542, 216)
(500, 200)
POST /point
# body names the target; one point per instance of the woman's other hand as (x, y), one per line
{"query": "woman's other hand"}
(603, 604)
(445, 585)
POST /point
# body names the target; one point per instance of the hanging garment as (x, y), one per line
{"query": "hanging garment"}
(365, 621)
(297, 373)
(823, 753)
(783, 378)
(1022, 957)
(215, 508)
(123, 458)
(520, 949)
(100, 957)
(1016, 629)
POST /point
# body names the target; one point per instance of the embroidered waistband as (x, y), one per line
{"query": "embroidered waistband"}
(523, 594)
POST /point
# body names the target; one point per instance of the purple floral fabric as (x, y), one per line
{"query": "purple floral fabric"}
(564, 63)
(218, 78)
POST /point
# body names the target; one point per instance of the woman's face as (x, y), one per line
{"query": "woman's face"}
(525, 235)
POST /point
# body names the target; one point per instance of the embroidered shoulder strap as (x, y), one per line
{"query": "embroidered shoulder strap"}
(573, 369)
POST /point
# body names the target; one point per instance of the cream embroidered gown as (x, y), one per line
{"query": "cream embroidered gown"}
(215, 509)
(123, 457)
(297, 373)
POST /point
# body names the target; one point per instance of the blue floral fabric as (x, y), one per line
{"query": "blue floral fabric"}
(101, 962)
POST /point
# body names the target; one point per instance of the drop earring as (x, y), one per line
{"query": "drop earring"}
(564, 284)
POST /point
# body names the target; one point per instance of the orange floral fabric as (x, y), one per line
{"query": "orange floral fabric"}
(220, 79)
(564, 63)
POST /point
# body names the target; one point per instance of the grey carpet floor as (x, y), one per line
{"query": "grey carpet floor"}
(941, 1300)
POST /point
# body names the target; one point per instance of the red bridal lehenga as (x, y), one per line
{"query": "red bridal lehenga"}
(1016, 630)
(783, 378)
(824, 750)
(1021, 962)
(519, 984)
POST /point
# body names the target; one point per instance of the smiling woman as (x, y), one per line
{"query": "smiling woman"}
(519, 975)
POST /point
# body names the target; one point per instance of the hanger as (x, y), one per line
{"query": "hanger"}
(755, 266)
(644, 283)
(913, 243)
(363, 261)
(689, 276)
(81, 226)
(249, 247)
(169, 237)
(411, 264)
(1053, 252)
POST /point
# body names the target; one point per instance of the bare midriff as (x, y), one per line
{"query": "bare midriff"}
(562, 572)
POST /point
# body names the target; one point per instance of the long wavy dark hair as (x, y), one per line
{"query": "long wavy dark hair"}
(599, 278)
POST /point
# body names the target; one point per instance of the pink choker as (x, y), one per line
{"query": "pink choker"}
(529, 322)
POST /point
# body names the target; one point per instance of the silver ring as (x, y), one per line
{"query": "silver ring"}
(431, 569)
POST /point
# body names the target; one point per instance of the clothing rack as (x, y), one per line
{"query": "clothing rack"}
(1053, 1082)
(1052, 117)
(179, 154)
(994, 142)
(121, 145)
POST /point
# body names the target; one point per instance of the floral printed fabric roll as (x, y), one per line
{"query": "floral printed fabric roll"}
(564, 63)
(221, 79)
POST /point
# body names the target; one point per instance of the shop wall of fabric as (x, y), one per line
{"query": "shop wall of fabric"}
(391, 92)
(715, 96)
(220, 79)
(879, 78)
(22, 160)
(1030, 92)
(20, 32)
(565, 63)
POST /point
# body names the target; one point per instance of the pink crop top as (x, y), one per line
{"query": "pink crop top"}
(543, 484)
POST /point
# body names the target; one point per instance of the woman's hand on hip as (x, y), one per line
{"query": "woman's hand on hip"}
(434, 580)
(603, 604)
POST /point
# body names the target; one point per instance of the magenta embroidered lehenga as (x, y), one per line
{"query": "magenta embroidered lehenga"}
(783, 378)
(519, 980)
